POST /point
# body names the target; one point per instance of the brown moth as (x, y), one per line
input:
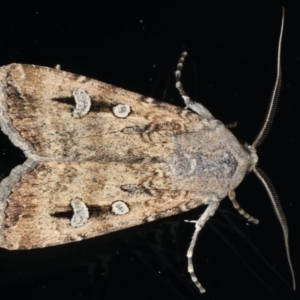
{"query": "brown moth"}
(101, 159)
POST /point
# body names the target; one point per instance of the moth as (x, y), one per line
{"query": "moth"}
(101, 159)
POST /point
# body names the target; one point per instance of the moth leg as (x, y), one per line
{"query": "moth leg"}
(236, 205)
(196, 107)
(209, 212)
(231, 125)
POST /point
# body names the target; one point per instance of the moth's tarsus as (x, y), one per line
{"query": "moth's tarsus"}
(209, 212)
(213, 205)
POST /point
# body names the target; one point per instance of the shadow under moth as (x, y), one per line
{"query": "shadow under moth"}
(101, 159)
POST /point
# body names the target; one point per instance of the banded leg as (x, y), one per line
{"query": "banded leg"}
(209, 212)
(195, 106)
(241, 211)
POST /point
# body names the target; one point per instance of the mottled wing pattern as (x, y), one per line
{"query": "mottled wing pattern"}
(99, 158)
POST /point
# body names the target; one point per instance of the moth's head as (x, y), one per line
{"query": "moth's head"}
(253, 157)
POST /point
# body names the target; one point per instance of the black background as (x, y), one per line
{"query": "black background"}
(231, 69)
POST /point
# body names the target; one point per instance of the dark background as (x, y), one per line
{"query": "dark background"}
(231, 69)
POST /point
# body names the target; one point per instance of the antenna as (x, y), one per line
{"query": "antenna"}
(258, 141)
(275, 94)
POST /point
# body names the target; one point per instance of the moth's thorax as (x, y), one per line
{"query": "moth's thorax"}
(210, 160)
